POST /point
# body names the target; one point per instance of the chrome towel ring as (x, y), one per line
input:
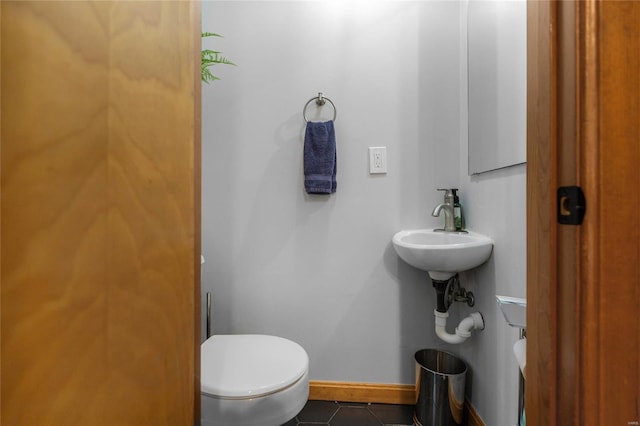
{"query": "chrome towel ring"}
(320, 101)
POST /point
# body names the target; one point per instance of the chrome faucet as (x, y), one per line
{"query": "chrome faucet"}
(447, 206)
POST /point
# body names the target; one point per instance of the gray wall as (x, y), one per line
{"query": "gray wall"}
(321, 269)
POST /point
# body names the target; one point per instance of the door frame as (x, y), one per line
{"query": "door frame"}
(573, 109)
(551, 249)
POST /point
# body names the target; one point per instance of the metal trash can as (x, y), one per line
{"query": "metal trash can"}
(440, 382)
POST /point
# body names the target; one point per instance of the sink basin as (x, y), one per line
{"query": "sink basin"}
(442, 254)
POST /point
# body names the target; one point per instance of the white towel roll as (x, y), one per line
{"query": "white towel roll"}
(520, 351)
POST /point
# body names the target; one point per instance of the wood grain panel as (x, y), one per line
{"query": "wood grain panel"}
(583, 283)
(0, 211)
(99, 235)
(587, 115)
(610, 385)
(196, 19)
(362, 392)
(152, 199)
(541, 248)
(566, 149)
(54, 286)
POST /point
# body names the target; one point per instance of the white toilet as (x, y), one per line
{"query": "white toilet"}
(252, 380)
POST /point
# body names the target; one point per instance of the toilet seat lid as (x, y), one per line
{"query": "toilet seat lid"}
(250, 365)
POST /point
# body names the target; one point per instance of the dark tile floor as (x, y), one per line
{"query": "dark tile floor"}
(352, 414)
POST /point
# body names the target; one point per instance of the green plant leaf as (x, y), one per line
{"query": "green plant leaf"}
(210, 58)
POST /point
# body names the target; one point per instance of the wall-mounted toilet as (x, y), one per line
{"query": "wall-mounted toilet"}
(252, 380)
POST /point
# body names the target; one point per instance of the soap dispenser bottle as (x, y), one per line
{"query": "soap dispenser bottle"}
(458, 214)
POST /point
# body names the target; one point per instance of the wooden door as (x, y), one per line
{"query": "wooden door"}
(583, 282)
(100, 212)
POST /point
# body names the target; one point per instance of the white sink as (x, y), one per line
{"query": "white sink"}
(442, 254)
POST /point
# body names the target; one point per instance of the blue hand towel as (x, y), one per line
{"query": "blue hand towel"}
(320, 158)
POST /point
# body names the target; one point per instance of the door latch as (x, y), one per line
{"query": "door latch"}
(571, 205)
